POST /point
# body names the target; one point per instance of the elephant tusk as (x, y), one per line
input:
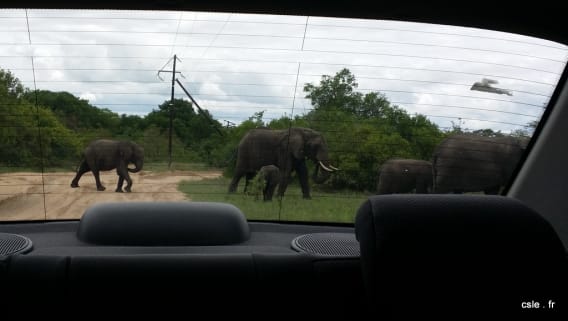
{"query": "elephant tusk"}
(334, 168)
(324, 167)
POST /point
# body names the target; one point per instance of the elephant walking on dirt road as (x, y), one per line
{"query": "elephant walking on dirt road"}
(399, 175)
(471, 163)
(105, 155)
(288, 150)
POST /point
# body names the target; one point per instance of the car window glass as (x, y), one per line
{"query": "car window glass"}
(315, 113)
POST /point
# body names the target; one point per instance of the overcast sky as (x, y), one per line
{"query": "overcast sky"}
(236, 64)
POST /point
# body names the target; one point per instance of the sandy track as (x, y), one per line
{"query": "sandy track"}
(28, 196)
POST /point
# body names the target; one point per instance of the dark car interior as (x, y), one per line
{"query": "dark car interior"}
(405, 257)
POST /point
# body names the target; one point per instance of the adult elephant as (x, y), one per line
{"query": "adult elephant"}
(471, 163)
(105, 155)
(404, 176)
(288, 150)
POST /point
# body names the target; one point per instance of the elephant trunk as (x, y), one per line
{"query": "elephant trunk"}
(326, 170)
(139, 164)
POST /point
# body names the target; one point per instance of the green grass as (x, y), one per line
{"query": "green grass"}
(323, 207)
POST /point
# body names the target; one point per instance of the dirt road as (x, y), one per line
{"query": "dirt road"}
(31, 196)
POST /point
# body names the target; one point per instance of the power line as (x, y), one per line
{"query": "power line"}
(40, 145)
(436, 46)
(303, 98)
(215, 36)
(442, 33)
(176, 34)
(256, 61)
(378, 28)
(319, 75)
(287, 36)
(261, 48)
(292, 86)
(162, 19)
(261, 107)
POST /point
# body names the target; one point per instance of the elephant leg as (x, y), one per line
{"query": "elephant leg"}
(235, 181)
(83, 168)
(123, 175)
(302, 171)
(270, 187)
(248, 177)
(283, 184)
(265, 192)
(128, 183)
(119, 185)
(100, 186)
(285, 177)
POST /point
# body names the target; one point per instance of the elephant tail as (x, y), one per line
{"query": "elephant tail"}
(78, 165)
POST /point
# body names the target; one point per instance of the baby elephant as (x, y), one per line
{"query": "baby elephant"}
(106, 155)
(270, 177)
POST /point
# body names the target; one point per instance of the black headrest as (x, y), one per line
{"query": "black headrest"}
(444, 225)
(415, 245)
(163, 223)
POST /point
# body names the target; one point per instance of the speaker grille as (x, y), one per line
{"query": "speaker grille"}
(13, 244)
(329, 244)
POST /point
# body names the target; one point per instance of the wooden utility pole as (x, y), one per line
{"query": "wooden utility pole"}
(171, 107)
(171, 115)
(211, 122)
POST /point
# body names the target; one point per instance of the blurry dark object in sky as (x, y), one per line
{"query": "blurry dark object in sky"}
(485, 85)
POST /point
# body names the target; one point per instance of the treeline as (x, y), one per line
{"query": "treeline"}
(44, 128)
(50, 129)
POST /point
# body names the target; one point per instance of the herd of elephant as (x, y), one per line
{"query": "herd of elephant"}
(460, 163)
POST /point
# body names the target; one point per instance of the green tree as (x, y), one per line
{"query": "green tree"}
(527, 131)
(363, 131)
(11, 90)
(193, 129)
(73, 112)
(334, 93)
(131, 126)
(227, 154)
(488, 132)
(31, 135)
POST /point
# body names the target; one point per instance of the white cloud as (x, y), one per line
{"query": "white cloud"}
(238, 64)
(92, 98)
(56, 75)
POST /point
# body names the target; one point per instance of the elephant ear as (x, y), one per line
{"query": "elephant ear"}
(125, 151)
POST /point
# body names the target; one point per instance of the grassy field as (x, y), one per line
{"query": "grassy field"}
(323, 207)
